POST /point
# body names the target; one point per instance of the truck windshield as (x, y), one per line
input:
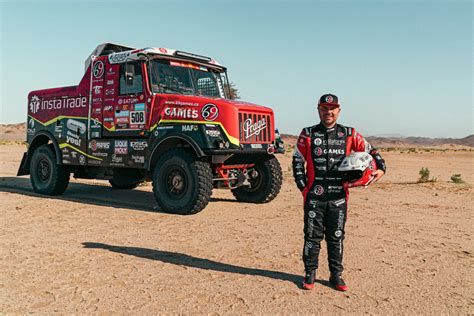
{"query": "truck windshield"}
(177, 77)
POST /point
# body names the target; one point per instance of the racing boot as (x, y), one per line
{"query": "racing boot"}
(309, 278)
(338, 282)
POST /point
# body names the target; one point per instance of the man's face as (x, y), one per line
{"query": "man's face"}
(328, 114)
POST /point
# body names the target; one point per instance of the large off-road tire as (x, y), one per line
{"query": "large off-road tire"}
(182, 184)
(265, 187)
(119, 185)
(47, 177)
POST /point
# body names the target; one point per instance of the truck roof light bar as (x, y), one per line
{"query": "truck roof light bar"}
(193, 56)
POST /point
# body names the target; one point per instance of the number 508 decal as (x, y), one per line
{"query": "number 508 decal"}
(137, 117)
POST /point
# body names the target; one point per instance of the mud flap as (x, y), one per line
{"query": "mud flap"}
(24, 167)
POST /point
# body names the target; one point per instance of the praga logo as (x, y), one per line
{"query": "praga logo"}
(34, 104)
(98, 69)
(250, 128)
(210, 112)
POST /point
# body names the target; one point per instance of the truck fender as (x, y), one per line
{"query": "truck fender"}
(41, 138)
(165, 143)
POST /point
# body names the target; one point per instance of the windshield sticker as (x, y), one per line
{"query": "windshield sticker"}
(187, 65)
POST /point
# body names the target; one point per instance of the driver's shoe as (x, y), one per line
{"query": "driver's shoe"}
(338, 282)
(309, 278)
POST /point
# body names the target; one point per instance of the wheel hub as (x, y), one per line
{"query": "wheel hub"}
(176, 182)
(44, 170)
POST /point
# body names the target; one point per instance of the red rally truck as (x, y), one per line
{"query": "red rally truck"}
(153, 114)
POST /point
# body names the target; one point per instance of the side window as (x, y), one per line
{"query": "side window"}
(131, 78)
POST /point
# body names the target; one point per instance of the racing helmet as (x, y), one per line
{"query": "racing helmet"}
(357, 169)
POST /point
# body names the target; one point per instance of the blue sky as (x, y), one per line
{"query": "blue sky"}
(399, 67)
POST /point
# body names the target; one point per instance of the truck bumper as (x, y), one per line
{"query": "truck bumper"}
(24, 167)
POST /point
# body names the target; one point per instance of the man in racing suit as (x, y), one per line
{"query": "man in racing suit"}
(322, 148)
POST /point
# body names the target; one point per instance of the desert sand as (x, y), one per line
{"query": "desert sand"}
(409, 247)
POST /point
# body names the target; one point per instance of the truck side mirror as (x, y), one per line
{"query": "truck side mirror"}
(129, 74)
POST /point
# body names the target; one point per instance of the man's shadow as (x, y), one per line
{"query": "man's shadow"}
(200, 263)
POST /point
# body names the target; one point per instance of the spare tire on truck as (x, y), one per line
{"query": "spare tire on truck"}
(182, 183)
(265, 185)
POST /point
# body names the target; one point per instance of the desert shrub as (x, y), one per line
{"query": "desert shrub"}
(456, 178)
(425, 176)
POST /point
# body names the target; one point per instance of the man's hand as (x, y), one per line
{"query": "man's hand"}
(377, 175)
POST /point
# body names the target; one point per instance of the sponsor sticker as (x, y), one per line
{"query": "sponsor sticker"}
(140, 107)
(318, 141)
(98, 69)
(121, 147)
(318, 190)
(138, 145)
(189, 128)
(138, 159)
(210, 112)
(31, 127)
(122, 114)
(213, 133)
(58, 104)
(118, 57)
(101, 145)
(181, 113)
(34, 104)
(122, 120)
(116, 159)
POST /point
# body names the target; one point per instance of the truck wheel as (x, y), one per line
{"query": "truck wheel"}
(181, 183)
(123, 185)
(47, 177)
(263, 188)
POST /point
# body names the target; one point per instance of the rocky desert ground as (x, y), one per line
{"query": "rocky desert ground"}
(409, 247)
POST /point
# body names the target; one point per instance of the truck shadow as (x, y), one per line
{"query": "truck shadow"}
(194, 262)
(93, 194)
(87, 194)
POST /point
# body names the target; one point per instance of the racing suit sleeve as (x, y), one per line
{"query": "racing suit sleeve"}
(299, 160)
(361, 145)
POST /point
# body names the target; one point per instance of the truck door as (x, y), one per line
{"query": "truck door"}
(125, 106)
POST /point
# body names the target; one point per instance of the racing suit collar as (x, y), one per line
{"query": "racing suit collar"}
(323, 128)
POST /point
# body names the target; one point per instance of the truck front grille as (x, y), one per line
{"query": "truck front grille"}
(254, 128)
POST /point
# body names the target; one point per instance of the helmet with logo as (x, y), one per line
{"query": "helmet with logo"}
(357, 169)
(328, 99)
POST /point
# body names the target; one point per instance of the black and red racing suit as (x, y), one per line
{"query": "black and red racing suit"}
(325, 194)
